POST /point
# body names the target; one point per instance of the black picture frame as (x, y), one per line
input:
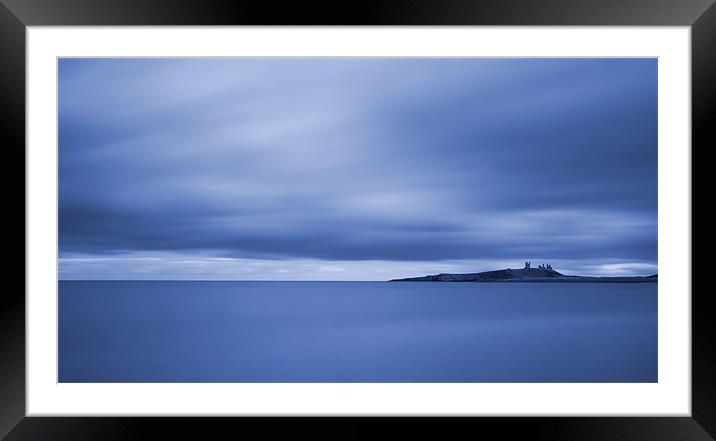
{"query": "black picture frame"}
(16, 15)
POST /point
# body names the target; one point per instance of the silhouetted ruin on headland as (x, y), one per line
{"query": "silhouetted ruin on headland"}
(528, 265)
(544, 273)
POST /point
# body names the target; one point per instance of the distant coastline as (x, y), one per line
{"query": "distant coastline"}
(544, 273)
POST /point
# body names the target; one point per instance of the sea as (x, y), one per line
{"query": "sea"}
(353, 332)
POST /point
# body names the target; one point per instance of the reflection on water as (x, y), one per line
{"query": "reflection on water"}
(357, 332)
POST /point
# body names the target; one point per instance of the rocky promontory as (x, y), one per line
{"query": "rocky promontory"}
(527, 274)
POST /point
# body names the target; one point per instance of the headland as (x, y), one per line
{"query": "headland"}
(543, 273)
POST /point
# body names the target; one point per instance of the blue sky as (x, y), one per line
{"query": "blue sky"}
(355, 169)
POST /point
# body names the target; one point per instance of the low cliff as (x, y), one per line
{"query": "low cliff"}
(523, 275)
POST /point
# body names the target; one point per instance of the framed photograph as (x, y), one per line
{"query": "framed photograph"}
(401, 218)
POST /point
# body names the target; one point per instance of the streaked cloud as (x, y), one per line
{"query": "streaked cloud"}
(364, 164)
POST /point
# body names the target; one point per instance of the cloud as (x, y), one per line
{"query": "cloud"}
(351, 160)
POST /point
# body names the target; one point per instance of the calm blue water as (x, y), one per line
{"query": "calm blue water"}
(356, 332)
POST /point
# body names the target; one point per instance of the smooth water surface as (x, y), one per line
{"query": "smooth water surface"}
(136, 331)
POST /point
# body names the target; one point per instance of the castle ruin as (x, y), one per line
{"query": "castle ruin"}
(547, 266)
